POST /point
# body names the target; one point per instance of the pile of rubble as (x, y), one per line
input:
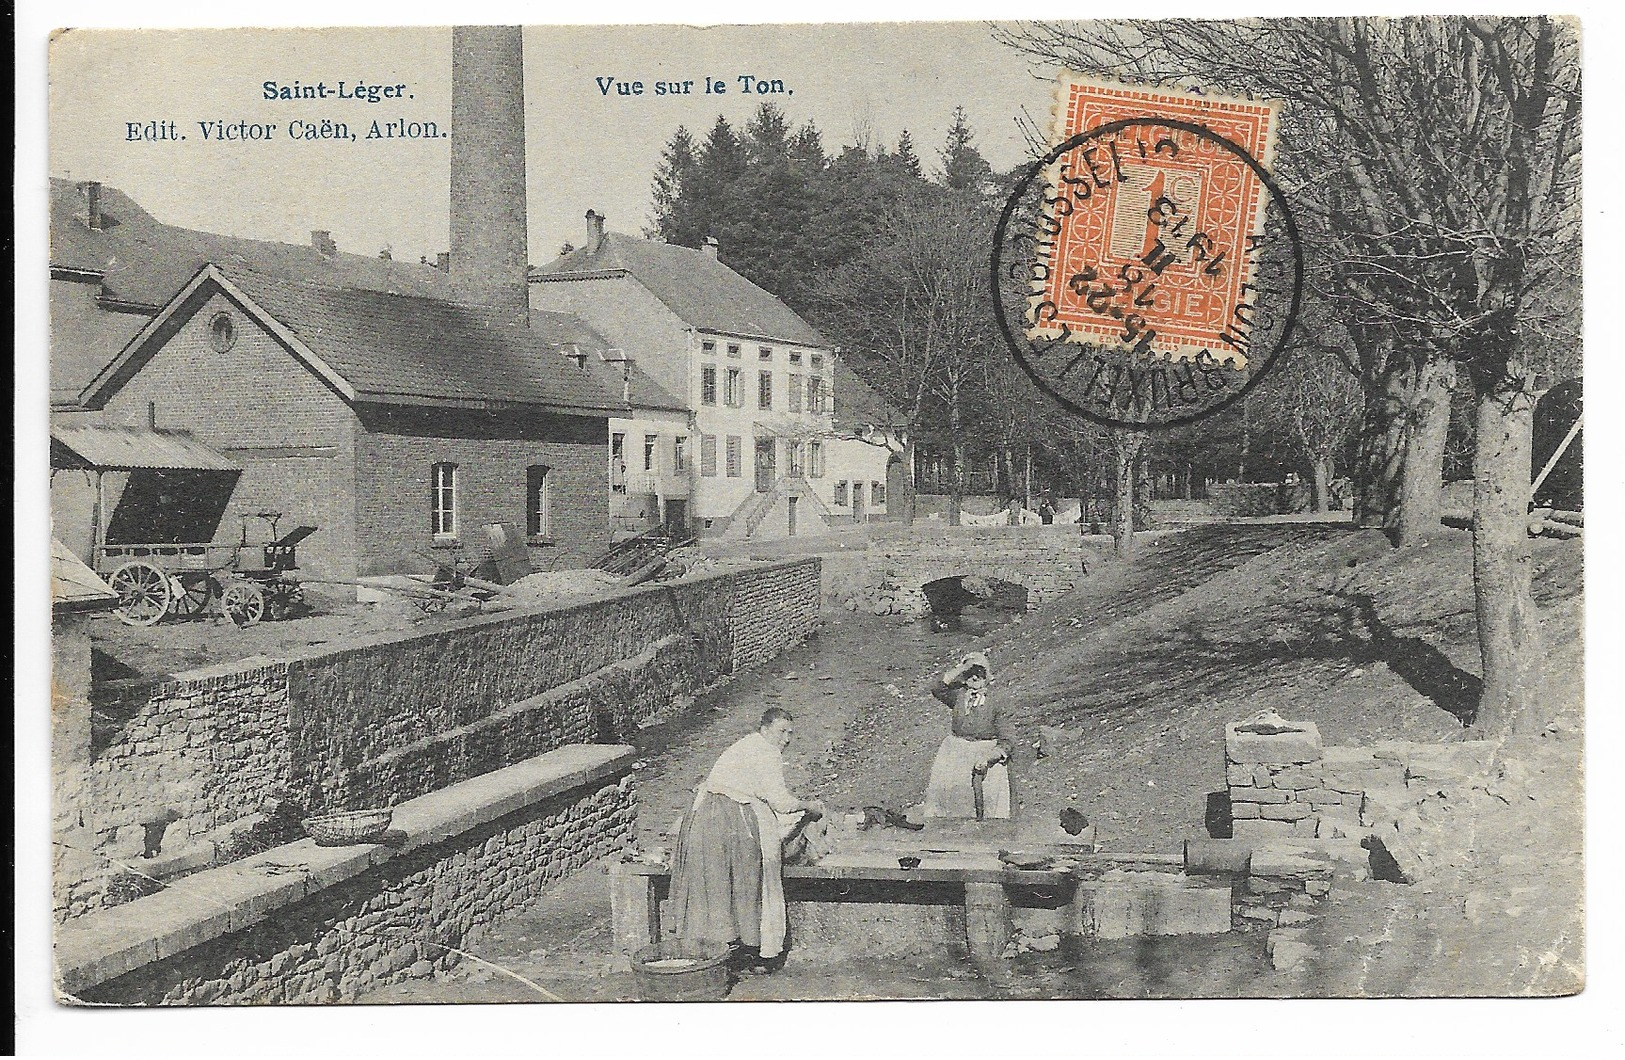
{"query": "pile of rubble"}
(562, 585)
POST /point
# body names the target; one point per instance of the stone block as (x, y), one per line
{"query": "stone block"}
(1261, 829)
(1322, 797)
(1289, 956)
(1133, 904)
(1272, 795)
(1301, 743)
(1262, 777)
(1306, 827)
(1234, 775)
(1258, 913)
(1285, 811)
(1241, 811)
(1297, 779)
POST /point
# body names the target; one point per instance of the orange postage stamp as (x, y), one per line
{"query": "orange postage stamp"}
(1156, 212)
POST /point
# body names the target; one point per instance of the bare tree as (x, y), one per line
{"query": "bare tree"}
(1441, 158)
(1315, 400)
(915, 303)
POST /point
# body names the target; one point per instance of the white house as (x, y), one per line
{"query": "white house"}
(759, 382)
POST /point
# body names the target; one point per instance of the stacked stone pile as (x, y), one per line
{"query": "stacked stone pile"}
(1277, 779)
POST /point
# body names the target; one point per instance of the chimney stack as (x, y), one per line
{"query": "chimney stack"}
(595, 231)
(323, 242)
(490, 242)
(93, 204)
(711, 247)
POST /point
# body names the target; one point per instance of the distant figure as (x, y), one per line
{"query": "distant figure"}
(727, 884)
(970, 776)
(1046, 512)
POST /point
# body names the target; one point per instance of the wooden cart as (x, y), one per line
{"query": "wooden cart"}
(245, 582)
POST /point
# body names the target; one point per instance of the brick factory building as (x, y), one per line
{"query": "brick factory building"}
(396, 424)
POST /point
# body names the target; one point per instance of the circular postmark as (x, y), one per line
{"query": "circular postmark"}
(1148, 273)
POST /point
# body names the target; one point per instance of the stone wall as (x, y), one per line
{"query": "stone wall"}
(306, 924)
(396, 716)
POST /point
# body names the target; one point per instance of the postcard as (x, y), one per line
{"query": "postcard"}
(937, 511)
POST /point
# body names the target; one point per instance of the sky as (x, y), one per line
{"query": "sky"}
(585, 149)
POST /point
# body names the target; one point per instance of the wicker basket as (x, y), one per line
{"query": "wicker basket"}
(681, 971)
(344, 829)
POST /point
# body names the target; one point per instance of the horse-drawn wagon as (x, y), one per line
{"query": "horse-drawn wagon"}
(244, 581)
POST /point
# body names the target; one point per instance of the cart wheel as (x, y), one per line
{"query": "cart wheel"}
(243, 603)
(190, 594)
(143, 593)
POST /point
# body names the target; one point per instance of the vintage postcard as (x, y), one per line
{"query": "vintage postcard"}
(930, 511)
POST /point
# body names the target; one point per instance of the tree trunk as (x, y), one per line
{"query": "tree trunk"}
(1246, 444)
(956, 489)
(1320, 471)
(1142, 494)
(1421, 487)
(1381, 452)
(1508, 624)
(1127, 447)
(910, 490)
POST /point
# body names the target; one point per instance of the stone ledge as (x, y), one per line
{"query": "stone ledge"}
(104, 945)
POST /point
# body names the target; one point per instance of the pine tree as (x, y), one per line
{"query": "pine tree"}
(677, 163)
(963, 167)
(767, 136)
(905, 156)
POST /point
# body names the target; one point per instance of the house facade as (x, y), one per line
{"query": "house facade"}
(400, 426)
(758, 381)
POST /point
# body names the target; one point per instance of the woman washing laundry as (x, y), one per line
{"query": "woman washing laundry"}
(971, 776)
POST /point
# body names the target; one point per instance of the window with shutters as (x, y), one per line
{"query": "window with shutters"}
(708, 385)
(708, 455)
(731, 389)
(815, 459)
(679, 454)
(796, 384)
(816, 400)
(793, 456)
(736, 453)
(840, 494)
(877, 493)
(651, 443)
(764, 390)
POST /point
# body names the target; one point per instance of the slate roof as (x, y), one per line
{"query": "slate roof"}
(400, 349)
(392, 347)
(857, 404)
(137, 261)
(702, 291)
(114, 448)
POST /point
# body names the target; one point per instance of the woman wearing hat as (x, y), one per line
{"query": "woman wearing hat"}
(970, 777)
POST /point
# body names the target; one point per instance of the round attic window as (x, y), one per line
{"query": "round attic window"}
(222, 332)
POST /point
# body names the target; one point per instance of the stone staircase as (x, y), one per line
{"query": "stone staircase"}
(752, 513)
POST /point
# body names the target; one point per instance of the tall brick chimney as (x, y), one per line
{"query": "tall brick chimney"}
(489, 239)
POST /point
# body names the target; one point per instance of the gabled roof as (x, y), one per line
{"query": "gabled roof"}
(112, 448)
(143, 261)
(857, 404)
(699, 289)
(394, 349)
(135, 263)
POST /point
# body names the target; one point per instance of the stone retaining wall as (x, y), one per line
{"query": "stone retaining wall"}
(394, 716)
(306, 924)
